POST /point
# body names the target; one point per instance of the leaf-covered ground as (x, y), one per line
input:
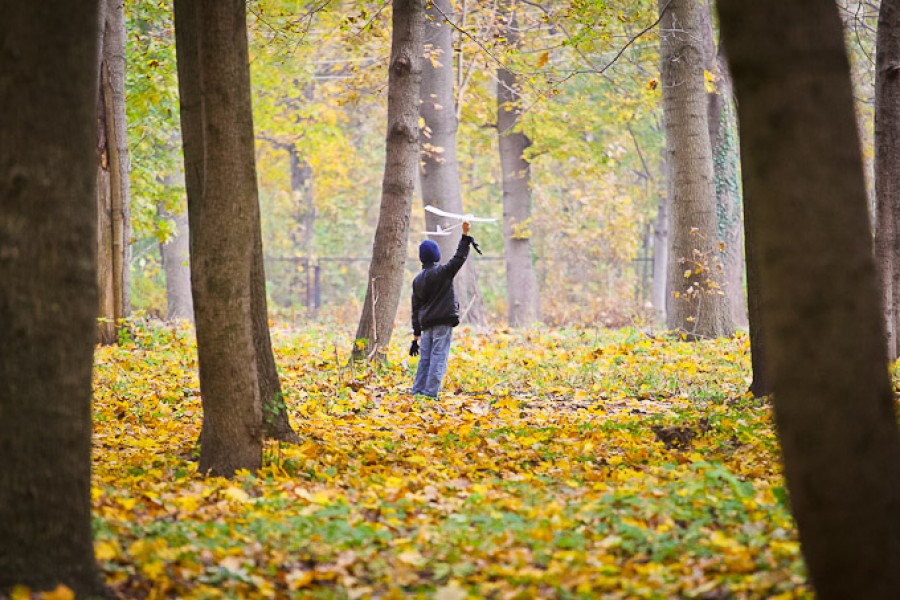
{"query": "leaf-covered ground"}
(559, 464)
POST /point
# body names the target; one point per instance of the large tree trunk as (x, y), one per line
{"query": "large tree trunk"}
(521, 282)
(761, 384)
(389, 248)
(887, 167)
(440, 172)
(113, 248)
(176, 265)
(223, 207)
(48, 299)
(698, 306)
(823, 325)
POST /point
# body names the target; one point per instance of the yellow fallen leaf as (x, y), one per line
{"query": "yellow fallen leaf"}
(20, 592)
(60, 592)
(106, 550)
(451, 591)
(236, 494)
(298, 579)
(411, 557)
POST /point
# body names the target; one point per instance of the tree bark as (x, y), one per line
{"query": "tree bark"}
(803, 174)
(223, 208)
(113, 188)
(887, 167)
(389, 249)
(440, 173)
(722, 125)
(49, 297)
(275, 421)
(698, 306)
(761, 384)
(523, 307)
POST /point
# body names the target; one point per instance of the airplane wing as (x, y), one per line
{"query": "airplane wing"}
(468, 217)
(438, 232)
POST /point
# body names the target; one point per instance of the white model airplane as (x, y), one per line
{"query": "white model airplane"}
(467, 217)
(441, 231)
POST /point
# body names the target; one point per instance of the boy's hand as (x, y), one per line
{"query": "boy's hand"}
(414, 347)
(466, 228)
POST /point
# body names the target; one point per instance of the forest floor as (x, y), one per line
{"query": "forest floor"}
(558, 464)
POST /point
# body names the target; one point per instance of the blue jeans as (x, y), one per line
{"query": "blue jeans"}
(434, 350)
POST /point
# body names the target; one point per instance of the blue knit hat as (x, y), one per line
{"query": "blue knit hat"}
(429, 252)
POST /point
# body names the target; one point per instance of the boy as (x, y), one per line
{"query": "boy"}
(435, 312)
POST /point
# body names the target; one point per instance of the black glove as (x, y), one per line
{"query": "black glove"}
(414, 348)
(472, 243)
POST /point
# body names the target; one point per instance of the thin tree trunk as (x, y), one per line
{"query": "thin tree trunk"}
(223, 207)
(113, 189)
(660, 257)
(824, 331)
(275, 422)
(176, 265)
(49, 298)
(521, 282)
(440, 169)
(887, 167)
(722, 125)
(389, 249)
(302, 201)
(698, 307)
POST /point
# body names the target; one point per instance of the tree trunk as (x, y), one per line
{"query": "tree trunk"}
(175, 254)
(275, 422)
(113, 189)
(302, 201)
(521, 282)
(440, 173)
(660, 257)
(698, 306)
(48, 299)
(761, 385)
(304, 212)
(389, 248)
(887, 166)
(726, 164)
(223, 207)
(803, 176)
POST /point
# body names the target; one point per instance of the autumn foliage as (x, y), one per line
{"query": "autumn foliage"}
(559, 464)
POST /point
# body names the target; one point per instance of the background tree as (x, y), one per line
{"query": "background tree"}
(726, 169)
(113, 188)
(220, 173)
(833, 401)
(698, 305)
(887, 167)
(175, 254)
(49, 299)
(523, 304)
(389, 249)
(440, 170)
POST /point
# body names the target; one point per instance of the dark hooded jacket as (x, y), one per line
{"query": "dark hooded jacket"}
(433, 300)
